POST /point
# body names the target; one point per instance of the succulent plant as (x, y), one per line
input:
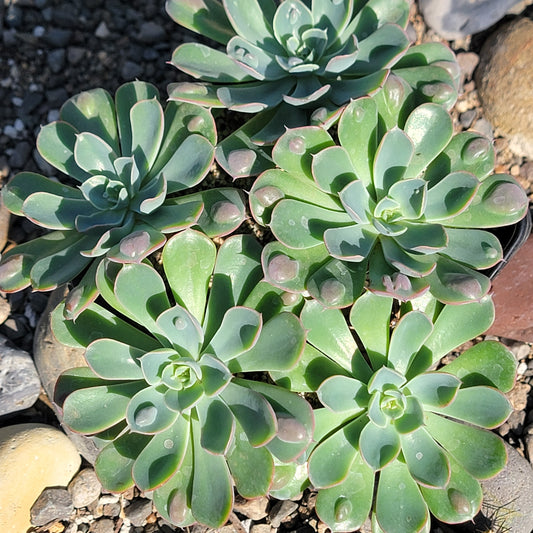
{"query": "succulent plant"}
(397, 438)
(166, 406)
(129, 161)
(297, 62)
(400, 197)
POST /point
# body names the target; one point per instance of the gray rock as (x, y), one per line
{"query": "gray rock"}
(56, 60)
(509, 495)
(102, 31)
(280, 511)
(455, 19)
(31, 101)
(483, 126)
(9, 37)
(75, 54)
(52, 358)
(104, 525)
(19, 381)
(468, 61)
(53, 504)
(467, 118)
(56, 97)
(57, 37)
(20, 155)
(151, 32)
(85, 488)
(130, 70)
(138, 511)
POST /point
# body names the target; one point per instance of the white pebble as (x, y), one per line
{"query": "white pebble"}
(19, 125)
(521, 370)
(16, 101)
(38, 31)
(108, 498)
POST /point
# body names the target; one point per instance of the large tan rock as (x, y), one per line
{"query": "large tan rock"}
(51, 359)
(32, 457)
(504, 78)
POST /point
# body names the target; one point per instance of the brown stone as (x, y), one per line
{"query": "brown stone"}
(504, 78)
(513, 297)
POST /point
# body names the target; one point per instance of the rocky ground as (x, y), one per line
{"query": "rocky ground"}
(53, 49)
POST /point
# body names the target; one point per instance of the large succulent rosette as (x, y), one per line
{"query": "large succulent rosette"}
(172, 409)
(400, 203)
(298, 62)
(128, 163)
(397, 438)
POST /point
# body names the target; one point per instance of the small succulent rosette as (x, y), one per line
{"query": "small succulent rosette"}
(298, 61)
(400, 204)
(129, 161)
(396, 439)
(167, 407)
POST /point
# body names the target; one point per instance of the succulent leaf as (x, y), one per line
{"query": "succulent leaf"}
(403, 509)
(481, 453)
(324, 474)
(345, 507)
(252, 468)
(161, 457)
(115, 462)
(500, 366)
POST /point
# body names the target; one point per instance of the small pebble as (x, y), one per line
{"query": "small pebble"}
(521, 370)
(151, 32)
(467, 118)
(10, 131)
(38, 31)
(468, 62)
(58, 37)
(85, 488)
(56, 60)
(130, 70)
(102, 31)
(75, 54)
(484, 127)
(280, 511)
(52, 115)
(103, 525)
(20, 155)
(138, 510)
(255, 509)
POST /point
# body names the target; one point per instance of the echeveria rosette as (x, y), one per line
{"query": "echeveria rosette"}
(397, 438)
(166, 407)
(402, 199)
(298, 62)
(131, 160)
